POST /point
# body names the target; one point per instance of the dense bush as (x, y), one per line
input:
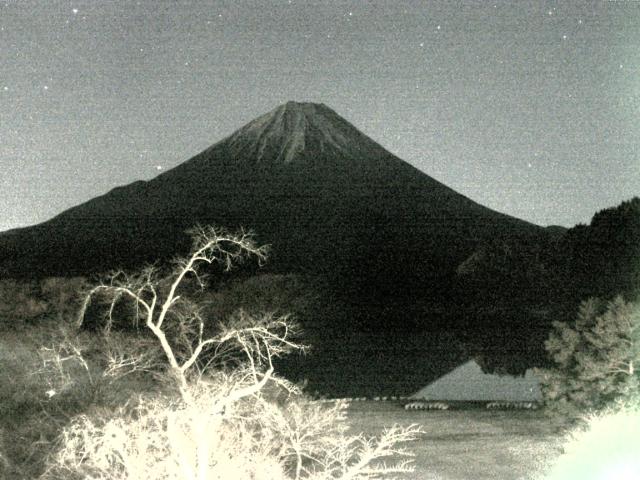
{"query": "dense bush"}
(49, 373)
(63, 295)
(27, 301)
(20, 301)
(254, 438)
(596, 359)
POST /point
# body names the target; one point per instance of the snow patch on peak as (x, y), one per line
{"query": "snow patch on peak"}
(282, 134)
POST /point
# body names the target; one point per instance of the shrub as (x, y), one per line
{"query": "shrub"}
(63, 295)
(50, 373)
(595, 360)
(253, 438)
(20, 302)
(26, 301)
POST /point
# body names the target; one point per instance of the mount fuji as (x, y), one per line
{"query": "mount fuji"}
(324, 195)
(332, 204)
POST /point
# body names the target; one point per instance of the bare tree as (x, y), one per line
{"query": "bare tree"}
(164, 310)
(224, 425)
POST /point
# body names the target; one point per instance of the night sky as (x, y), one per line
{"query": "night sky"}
(529, 108)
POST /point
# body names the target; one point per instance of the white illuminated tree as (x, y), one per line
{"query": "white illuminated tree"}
(225, 422)
(596, 359)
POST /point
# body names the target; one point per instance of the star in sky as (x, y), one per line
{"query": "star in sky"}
(500, 87)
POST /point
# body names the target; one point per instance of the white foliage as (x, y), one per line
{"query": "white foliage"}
(225, 423)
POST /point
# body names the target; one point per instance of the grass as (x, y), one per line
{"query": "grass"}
(473, 444)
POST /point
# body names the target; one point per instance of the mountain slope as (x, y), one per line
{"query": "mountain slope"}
(302, 177)
(385, 238)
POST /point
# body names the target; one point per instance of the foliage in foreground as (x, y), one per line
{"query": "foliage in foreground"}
(227, 415)
(596, 359)
(606, 446)
(48, 375)
(254, 438)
